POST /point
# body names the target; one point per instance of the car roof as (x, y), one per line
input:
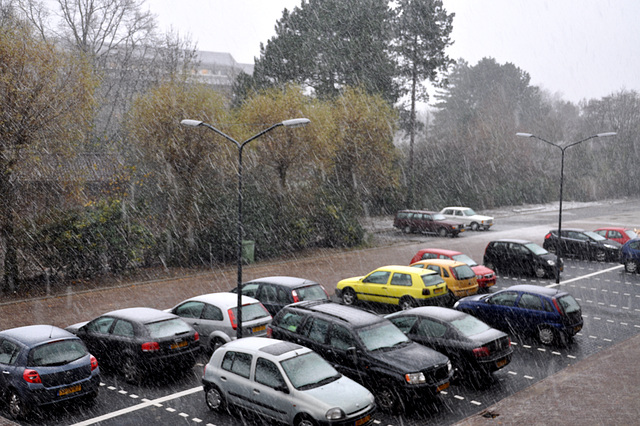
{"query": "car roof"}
(292, 282)
(222, 299)
(613, 228)
(455, 207)
(276, 348)
(530, 288)
(32, 335)
(140, 314)
(440, 251)
(438, 312)
(404, 269)
(441, 262)
(354, 316)
(569, 229)
(418, 211)
(511, 240)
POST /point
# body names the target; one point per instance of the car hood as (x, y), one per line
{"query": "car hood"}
(611, 243)
(410, 358)
(471, 299)
(75, 327)
(343, 393)
(351, 280)
(482, 270)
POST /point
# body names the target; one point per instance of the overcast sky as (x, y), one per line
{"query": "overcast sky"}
(578, 49)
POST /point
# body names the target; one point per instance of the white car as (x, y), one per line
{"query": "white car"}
(284, 382)
(467, 216)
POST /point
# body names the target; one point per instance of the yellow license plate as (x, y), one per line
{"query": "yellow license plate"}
(363, 420)
(67, 391)
(443, 386)
(179, 344)
(258, 328)
(501, 362)
(438, 290)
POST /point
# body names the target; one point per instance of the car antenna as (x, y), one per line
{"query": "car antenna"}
(51, 332)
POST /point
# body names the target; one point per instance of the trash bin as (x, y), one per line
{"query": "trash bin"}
(248, 251)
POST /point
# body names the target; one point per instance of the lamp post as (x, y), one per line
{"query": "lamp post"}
(295, 122)
(562, 150)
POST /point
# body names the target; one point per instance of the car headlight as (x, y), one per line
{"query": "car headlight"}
(479, 277)
(449, 367)
(455, 305)
(551, 262)
(415, 378)
(335, 414)
(609, 246)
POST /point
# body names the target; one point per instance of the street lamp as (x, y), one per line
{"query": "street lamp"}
(295, 122)
(562, 150)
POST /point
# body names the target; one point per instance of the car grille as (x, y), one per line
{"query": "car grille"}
(66, 377)
(437, 374)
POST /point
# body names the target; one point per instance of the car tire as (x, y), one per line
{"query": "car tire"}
(349, 297)
(17, 408)
(214, 398)
(387, 398)
(601, 256)
(630, 266)
(216, 342)
(407, 302)
(539, 271)
(406, 229)
(442, 232)
(547, 335)
(551, 248)
(474, 226)
(304, 420)
(130, 370)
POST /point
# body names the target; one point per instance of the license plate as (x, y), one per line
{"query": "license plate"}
(443, 386)
(67, 391)
(179, 344)
(501, 362)
(363, 420)
(438, 290)
(258, 328)
(577, 328)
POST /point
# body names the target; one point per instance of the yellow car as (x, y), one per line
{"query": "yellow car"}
(396, 285)
(459, 276)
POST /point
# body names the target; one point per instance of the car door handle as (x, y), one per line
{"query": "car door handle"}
(256, 391)
(223, 378)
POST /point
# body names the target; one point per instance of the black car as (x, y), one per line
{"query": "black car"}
(277, 292)
(43, 365)
(137, 341)
(582, 244)
(367, 348)
(474, 348)
(520, 256)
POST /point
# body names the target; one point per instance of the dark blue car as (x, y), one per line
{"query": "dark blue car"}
(549, 314)
(630, 255)
(43, 364)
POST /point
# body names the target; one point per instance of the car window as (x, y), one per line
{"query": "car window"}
(189, 309)
(167, 328)
(434, 268)
(530, 301)
(100, 325)
(429, 256)
(505, 298)
(603, 233)
(123, 328)
(250, 289)
(309, 370)
(57, 353)
(268, 374)
(613, 234)
(459, 213)
(404, 323)
(212, 313)
(311, 292)
(631, 234)
(401, 279)
(268, 293)
(377, 277)
(381, 335)
(429, 328)
(290, 321)
(568, 304)
(251, 312)
(431, 279)
(463, 272)
(536, 249)
(448, 211)
(318, 330)
(238, 363)
(593, 236)
(341, 338)
(8, 352)
(464, 259)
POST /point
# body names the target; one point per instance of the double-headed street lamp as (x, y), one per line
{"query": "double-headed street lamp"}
(562, 150)
(296, 122)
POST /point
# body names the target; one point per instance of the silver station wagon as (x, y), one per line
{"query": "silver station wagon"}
(284, 382)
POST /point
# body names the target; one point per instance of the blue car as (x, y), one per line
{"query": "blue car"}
(43, 364)
(549, 314)
(630, 255)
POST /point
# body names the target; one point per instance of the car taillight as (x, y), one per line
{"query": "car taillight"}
(481, 352)
(555, 303)
(295, 296)
(269, 331)
(546, 237)
(232, 318)
(150, 346)
(31, 376)
(425, 292)
(94, 362)
(196, 337)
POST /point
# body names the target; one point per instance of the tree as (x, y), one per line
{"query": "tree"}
(330, 44)
(422, 33)
(46, 101)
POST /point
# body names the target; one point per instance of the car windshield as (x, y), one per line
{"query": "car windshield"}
(463, 272)
(536, 249)
(431, 279)
(57, 353)
(594, 236)
(631, 234)
(383, 335)
(167, 328)
(309, 371)
(468, 212)
(464, 259)
(251, 312)
(469, 326)
(311, 292)
(569, 304)
(438, 216)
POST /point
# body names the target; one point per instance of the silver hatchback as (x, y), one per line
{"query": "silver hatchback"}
(285, 382)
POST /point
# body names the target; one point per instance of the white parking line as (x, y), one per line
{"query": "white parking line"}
(585, 276)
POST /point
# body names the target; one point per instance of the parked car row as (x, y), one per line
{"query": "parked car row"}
(450, 221)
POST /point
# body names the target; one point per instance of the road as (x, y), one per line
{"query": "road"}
(609, 297)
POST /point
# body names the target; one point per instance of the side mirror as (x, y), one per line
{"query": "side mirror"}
(353, 353)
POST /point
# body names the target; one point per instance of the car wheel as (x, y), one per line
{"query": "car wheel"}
(539, 271)
(474, 226)
(387, 398)
(349, 296)
(407, 229)
(442, 232)
(630, 266)
(551, 248)
(546, 335)
(601, 256)
(214, 398)
(17, 408)
(216, 342)
(130, 370)
(304, 420)
(407, 303)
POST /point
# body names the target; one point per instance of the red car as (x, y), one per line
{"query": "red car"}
(486, 277)
(621, 235)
